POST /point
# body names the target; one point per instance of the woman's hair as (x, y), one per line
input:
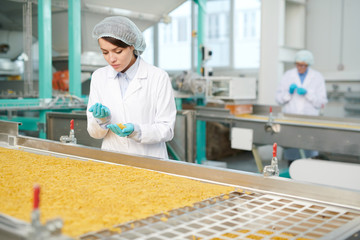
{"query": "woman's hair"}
(116, 42)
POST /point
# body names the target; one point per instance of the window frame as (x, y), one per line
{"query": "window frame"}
(228, 70)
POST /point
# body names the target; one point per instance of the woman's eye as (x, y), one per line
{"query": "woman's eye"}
(105, 53)
(118, 52)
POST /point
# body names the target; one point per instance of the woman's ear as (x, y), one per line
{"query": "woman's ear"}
(136, 53)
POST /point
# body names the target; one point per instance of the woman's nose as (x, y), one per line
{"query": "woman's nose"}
(112, 57)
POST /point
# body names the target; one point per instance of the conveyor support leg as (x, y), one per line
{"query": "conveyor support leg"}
(257, 158)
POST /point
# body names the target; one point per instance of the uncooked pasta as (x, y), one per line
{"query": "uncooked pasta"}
(90, 196)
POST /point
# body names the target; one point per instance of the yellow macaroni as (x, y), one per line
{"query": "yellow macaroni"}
(90, 196)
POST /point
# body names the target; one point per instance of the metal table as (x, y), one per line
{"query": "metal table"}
(331, 135)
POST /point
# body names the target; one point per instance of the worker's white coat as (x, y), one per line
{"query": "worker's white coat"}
(148, 102)
(308, 104)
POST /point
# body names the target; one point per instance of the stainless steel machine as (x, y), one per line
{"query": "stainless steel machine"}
(332, 135)
(261, 208)
(325, 134)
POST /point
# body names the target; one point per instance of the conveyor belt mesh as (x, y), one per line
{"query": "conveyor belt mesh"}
(239, 216)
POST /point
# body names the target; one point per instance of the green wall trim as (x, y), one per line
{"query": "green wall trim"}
(74, 17)
(45, 48)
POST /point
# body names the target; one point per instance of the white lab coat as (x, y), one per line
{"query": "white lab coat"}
(311, 103)
(148, 103)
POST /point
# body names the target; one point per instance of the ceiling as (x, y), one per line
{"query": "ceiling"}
(144, 13)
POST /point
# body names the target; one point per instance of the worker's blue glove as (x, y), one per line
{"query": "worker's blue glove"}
(292, 88)
(301, 91)
(99, 111)
(129, 128)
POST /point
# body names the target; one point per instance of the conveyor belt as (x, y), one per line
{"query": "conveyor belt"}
(269, 208)
(242, 216)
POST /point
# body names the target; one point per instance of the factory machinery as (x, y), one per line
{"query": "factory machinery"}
(261, 208)
(266, 125)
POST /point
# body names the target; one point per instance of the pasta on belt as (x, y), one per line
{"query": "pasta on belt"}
(90, 196)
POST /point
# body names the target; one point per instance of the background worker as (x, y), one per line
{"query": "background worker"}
(302, 91)
(129, 91)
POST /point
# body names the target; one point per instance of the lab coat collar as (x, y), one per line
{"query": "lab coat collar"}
(135, 84)
(140, 73)
(142, 69)
(131, 72)
(308, 77)
(111, 73)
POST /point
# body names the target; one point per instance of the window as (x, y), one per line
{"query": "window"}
(167, 30)
(217, 37)
(183, 32)
(249, 24)
(247, 34)
(213, 31)
(175, 40)
(148, 54)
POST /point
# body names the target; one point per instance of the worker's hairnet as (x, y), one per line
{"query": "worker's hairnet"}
(304, 56)
(123, 29)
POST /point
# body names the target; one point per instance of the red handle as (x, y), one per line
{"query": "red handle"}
(36, 196)
(274, 149)
(270, 109)
(72, 124)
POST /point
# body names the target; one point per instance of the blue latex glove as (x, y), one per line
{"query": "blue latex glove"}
(129, 128)
(301, 91)
(292, 88)
(99, 110)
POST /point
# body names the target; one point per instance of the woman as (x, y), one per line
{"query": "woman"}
(131, 92)
(302, 91)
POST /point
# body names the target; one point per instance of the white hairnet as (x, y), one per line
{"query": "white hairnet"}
(123, 29)
(304, 56)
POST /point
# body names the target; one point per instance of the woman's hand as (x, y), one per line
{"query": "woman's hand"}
(129, 128)
(99, 111)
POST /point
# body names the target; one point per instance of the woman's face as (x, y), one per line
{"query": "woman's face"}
(119, 58)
